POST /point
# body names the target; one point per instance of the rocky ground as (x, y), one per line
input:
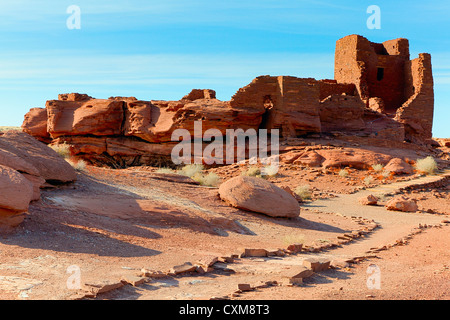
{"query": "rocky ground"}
(110, 224)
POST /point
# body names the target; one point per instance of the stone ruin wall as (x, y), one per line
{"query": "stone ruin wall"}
(388, 81)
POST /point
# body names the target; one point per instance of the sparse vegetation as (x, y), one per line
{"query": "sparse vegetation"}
(191, 170)
(293, 239)
(252, 172)
(270, 171)
(377, 167)
(8, 128)
(210, 180)
(304, 192)
(368, 180)
(427, 165)
(196, 172)
(78, 165)
(62, 149)
(165, 170)
(343, 173)
(386, 174)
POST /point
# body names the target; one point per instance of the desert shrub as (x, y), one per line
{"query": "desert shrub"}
(196, 172)
(78, 165)
(343, 173)
(252, 172)
(211, 179)
(377, 167)
(427, 165)
(270, 171)
(304, 192)
(368, 180)
(8, 128)
(386, 174)
(191, 170)
(62, 149)
(165, 170)
(293, 239)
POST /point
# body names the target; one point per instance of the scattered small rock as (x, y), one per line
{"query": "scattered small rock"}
(369, 200)
(244, 287)
(317, 265)
(183, 268)
(133, 280)
(253, 253)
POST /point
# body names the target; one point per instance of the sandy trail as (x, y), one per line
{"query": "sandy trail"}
(255, 271)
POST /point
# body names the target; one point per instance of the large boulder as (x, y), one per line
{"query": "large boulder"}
(259, 195)
(310, 159)
(399, 166)
(16, 193)
(37, 159)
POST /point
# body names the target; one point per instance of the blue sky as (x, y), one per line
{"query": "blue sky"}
(163, 49)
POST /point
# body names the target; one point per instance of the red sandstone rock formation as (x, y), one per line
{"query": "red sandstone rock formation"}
(25, 166)
(16, 192)
(35, 124)
(378, 92)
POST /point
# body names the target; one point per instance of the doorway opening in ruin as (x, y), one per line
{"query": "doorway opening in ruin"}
(268, 106)
(380, 74)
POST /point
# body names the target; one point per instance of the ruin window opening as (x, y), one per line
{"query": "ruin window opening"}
(380, 74)
(268, 105)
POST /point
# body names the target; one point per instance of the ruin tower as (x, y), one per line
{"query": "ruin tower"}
(385, 77)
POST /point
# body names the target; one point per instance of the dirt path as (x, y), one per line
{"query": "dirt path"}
(114, 227)
(256, 271)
